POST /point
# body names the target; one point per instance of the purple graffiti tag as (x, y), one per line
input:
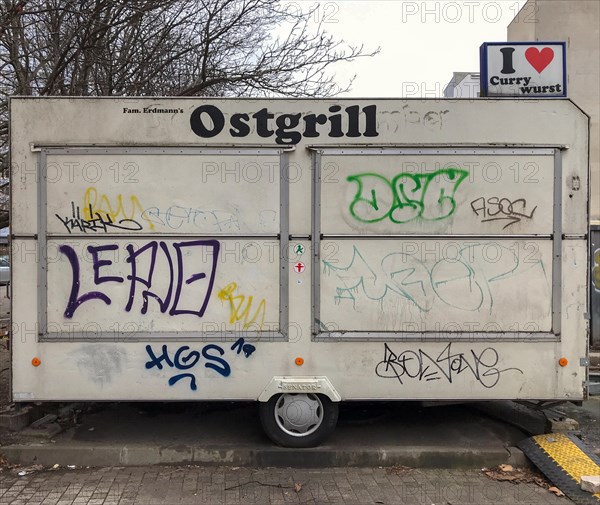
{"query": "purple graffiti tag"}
(151, 275)
(214, 244)
(134, 278)
(74, 299)
(98, 263)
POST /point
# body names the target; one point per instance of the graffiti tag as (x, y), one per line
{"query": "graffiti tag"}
(406, 197)
(501, 209)
(463, 282)
(175, 217)
(240, 307)
(97, 205)
(99, 222)
(184, 359)
(447, 365)
(196, 286)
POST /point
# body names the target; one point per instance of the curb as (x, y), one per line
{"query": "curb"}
(319, 457)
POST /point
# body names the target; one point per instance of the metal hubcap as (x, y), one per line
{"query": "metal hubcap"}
(299, 415)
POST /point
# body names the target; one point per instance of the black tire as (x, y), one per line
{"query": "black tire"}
(309, 435)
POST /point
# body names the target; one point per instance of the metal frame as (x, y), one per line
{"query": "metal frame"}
(316, 244)
(557, 245)
(391, 336)
(283, 238)
(394, 151)
(594, 294)
(434, 336)
(42, 290)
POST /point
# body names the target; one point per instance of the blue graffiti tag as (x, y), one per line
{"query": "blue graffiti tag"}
(186, 359)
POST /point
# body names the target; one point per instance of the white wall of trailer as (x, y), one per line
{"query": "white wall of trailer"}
(404, 249)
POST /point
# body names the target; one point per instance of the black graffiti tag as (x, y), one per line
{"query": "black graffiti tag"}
(99, 222)
(501, 209)
(447, 365)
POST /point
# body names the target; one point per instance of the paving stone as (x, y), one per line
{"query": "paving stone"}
(272, 486)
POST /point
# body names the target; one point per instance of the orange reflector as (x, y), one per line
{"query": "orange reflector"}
(299, 361)
(563, 361)
(36, 362)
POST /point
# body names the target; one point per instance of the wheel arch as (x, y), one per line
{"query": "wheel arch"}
(299, 384)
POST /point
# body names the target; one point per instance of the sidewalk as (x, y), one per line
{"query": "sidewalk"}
(243, 486)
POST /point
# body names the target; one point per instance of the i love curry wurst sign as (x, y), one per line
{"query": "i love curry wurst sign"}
(523, 69)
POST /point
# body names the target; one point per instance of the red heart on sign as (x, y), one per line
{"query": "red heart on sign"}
(539, 59)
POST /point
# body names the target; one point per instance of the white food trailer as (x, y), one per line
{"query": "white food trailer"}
(298, 252)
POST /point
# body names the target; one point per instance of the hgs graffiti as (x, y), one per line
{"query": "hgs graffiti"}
(463, 282)
(178, 278)
(186, 359)
(419, 365)
(406, 197)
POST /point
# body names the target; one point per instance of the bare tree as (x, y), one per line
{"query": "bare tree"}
(163, 47)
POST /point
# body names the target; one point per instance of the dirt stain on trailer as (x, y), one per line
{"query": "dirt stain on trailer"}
(99, 363)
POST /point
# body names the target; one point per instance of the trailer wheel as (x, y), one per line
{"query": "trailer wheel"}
(298, 420)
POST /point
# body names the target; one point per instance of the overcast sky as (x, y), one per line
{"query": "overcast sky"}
(422, 42)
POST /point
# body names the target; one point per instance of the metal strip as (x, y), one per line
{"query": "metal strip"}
(383, 151)
(284, 228)
(557, 245)
(161, 150)
(42, 246)
(316, 243)
(142, 236)
(436, 237)
(433, 336)
(175, 336)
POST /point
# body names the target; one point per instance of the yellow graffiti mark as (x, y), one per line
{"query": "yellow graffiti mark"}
(240, 307)
(95, 206)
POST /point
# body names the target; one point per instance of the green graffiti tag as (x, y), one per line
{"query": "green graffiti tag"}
(465, 280)
(406, 197)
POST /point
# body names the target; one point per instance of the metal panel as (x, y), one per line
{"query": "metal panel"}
(83, 324)
(474, 192)
(436, 288)
(539, 304)
(96, 191)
